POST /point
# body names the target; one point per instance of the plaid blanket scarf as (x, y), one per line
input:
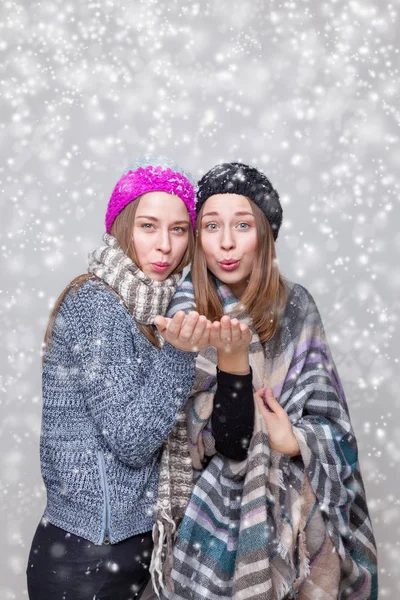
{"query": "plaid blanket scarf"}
(270, 527)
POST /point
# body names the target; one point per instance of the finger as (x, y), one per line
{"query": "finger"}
(226, 333)
(260, 393)
(268, 415)
(188, 326)
(175, 324)
(272, 403)
(215, 333)
(248, 336)
(205, 338)
(246, 332)
(161, 323)
(235, 330)
(199, 329)
(265, 402)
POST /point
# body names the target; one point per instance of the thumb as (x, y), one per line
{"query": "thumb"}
(260, 393)
(263, 406)
(272, 403)
(161, 323)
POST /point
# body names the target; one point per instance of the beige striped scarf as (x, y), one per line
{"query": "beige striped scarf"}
(143, 297)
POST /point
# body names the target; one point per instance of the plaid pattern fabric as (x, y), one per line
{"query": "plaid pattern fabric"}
(273, 527)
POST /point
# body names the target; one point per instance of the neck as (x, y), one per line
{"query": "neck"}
(239, 288)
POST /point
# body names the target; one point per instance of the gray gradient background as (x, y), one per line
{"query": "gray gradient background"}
(306, 91)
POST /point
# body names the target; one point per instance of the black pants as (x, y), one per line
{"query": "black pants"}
(62, 566)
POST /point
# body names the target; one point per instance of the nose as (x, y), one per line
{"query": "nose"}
(164, 242)
(227, 239)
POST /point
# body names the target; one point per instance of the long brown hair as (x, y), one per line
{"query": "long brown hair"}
(122, 231)
(265, 295)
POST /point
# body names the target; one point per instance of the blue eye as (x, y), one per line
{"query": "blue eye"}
(246, 226)
(147, 225)
(211, 226)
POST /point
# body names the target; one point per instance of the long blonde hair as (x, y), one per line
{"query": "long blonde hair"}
(265, 295)
(122, 231)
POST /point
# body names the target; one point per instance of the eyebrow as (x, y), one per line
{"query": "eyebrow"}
(157, 220)
(239, 213)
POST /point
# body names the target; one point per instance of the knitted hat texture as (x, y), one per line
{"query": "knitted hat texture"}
(151, 174)
(238, 178)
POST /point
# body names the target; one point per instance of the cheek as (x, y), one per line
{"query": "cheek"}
(142, 244)
(209, 246)
(180, 246)
(250, 247)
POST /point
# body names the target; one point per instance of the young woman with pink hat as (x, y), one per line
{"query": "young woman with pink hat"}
(112, 391)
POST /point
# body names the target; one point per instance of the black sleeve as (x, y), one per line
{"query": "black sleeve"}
(232, 420)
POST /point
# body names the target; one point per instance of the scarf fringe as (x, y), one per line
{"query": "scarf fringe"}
(283, 590)
(162, 557)
(304, 560)
(283, 552)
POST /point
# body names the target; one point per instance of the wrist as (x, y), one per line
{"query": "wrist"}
(294, 448)
(235, 363)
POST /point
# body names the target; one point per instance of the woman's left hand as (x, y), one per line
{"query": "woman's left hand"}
(189, 333)
(280, 431)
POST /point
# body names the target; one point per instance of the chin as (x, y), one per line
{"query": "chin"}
(158, 276)
(227, 277)
(232, 279)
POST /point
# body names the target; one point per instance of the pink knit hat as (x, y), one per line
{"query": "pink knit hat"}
(152, 174)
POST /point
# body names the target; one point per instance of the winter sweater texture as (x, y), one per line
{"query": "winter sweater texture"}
(110, 399)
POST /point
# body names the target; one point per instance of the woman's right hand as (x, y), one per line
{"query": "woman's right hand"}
(231, 339)
(280, 430)
(230, 336)
(190, 333)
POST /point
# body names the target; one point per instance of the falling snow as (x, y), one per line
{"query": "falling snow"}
(307, 91)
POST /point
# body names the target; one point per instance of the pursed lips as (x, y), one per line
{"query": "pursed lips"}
(229, 264)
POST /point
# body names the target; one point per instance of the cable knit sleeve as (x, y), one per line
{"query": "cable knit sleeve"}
(132, 390)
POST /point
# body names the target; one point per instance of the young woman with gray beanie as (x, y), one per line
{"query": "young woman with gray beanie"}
(260, 477)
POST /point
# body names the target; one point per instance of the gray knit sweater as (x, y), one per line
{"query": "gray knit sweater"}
(110, 399)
